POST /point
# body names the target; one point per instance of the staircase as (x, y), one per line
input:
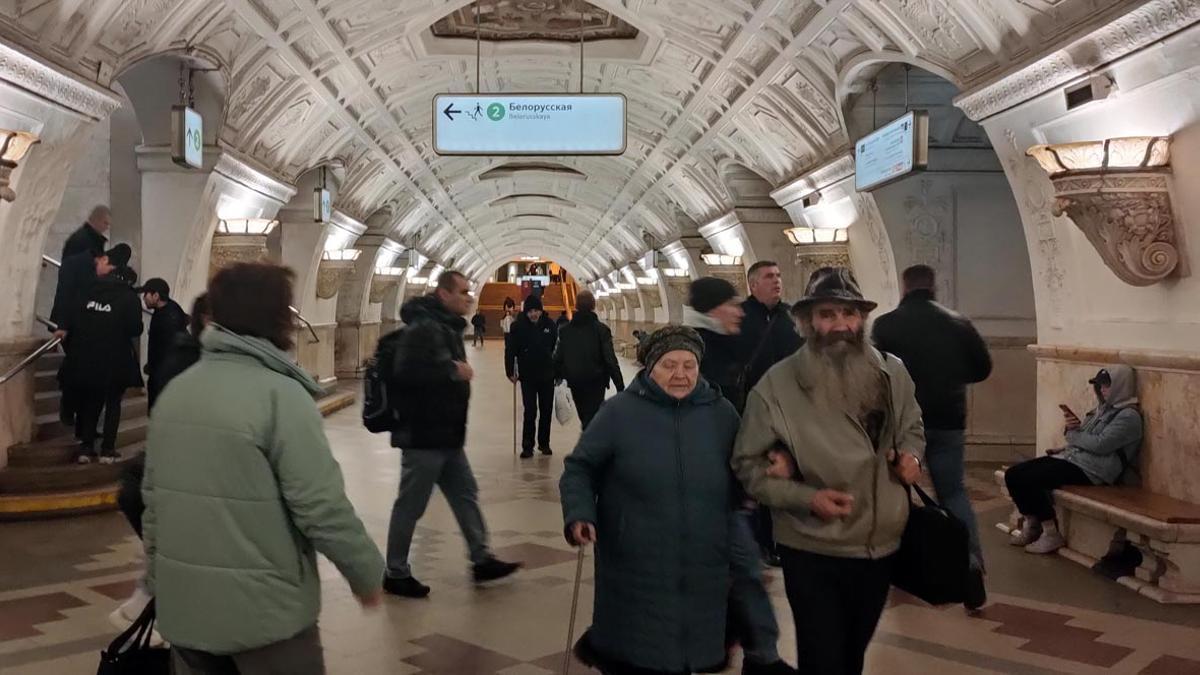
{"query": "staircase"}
(41, 479)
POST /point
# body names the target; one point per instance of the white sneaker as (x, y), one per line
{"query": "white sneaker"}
(132, 608)
(1049, 542)
(1029, 533)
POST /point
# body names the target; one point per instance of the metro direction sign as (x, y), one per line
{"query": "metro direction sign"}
(187, 137)
(893, 151)
(529, 124)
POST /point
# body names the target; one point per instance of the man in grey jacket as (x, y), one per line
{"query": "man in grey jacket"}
(829, 440)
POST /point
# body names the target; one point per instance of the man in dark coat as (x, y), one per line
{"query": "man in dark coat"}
(529, 357)
(586, 360)
(714, 311)
(169, 321)
(768, 336)
(91, 237)
(101, 362)
(431, 380)
(768, 333)
(943, 353)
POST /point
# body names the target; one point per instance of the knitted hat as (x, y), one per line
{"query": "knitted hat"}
(532, 302)
(709, 293)
(834, 284)
(669, 339)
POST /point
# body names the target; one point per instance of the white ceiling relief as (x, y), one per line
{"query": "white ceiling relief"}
(759, 83)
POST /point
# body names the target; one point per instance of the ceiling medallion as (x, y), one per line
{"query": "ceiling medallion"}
(547, 20)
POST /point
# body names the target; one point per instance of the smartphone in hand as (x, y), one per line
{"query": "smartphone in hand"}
(1067, 411)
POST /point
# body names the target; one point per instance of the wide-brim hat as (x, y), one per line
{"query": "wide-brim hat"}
(834, 284)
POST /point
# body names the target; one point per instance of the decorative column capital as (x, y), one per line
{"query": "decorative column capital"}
(330, 275)
(1117, 192)
(228, 249)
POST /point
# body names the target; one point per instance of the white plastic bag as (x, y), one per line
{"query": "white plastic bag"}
(564, 405)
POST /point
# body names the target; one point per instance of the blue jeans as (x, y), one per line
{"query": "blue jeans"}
(748, 597)
(944, 457)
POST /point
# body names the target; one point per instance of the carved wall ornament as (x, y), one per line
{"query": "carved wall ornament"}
(381, 284)
(330, 275)
(1117, 191)
(811, 257)
(228, 249)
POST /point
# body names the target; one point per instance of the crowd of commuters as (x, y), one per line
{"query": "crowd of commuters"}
(756, 433)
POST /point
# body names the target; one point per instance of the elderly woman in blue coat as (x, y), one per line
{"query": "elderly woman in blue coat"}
(649, 484)
(1100, 449)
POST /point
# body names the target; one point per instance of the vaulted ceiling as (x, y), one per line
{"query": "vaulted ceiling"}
(710, 83)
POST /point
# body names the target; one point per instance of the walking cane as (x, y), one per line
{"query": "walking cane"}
(574, 610)
(514, 418)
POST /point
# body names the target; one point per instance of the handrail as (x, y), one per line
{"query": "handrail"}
(37, 353)
(51, 261)
(307, 324)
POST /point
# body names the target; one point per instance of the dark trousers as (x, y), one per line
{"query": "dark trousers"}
(91, 401)
(129, 499)
(764, 529)
(300, 655)
(588, 398)
(1030, 484)
(836, 604)
(538, 398)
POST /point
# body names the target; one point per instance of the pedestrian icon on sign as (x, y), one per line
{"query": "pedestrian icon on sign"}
(478, 112)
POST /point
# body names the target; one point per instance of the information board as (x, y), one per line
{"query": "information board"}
(187, 137)
(322, 205)
(529, 124)
(893, 151)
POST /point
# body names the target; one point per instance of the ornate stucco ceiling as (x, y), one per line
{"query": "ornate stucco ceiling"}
(554, 20)
(710, 84)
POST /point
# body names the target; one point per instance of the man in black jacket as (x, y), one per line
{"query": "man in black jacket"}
(768, 331)
(585, 358)
(529, 357)
(169, 321)
(768, 337)
(101, 363)
(431, 380)
(715, 312)
(943, 353)
(91, 237)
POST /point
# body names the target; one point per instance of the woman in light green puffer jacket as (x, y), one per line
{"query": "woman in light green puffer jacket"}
(242, 491)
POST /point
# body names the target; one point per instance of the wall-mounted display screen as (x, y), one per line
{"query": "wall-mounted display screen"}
(893, 151)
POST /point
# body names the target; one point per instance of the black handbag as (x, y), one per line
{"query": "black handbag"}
(131, 654)
(934, 558)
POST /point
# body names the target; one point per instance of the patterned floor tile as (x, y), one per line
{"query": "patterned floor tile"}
(448, 656)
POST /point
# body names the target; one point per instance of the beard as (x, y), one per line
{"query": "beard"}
(846, 373)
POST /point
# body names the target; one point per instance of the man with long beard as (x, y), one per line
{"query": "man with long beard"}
(829, 440)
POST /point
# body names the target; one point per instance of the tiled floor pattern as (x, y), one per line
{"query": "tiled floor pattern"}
(60, 579)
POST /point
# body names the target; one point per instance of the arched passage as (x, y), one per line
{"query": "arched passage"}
(960, 218)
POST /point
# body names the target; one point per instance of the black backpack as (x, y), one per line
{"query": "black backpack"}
(378, 413)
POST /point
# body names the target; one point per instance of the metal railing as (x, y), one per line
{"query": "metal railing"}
(307, 324)
(36, 354)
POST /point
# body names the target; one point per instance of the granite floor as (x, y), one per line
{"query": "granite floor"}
(60, 579)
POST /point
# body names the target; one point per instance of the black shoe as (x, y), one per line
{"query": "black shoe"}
(771, 558)
(545, 450)
(777, 668)
(527, 453)
(976, 593)
(493, 569)
(407, 587)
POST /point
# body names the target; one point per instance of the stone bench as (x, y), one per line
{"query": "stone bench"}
(1094, 519)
